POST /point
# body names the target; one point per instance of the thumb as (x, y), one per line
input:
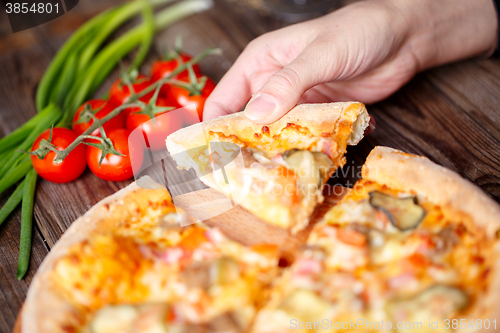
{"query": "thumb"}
(283, 90)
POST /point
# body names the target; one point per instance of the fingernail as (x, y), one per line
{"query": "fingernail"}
(260, 107)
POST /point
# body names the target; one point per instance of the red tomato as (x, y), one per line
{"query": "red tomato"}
(113, 123)
(113, 167)
(181, 95)
(69, 169)
(119, 93)
(163, 68)
(154, 133)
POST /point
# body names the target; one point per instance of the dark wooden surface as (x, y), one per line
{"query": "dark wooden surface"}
(450, 114)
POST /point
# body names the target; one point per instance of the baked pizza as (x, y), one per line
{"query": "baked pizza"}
(128, 266)
(412, 247)
(277, 172)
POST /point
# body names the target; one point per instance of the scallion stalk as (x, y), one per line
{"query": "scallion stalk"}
(11, 204)
(147, 39)
(26, 223)
(16, 173)
(52, 72)
(17, 136)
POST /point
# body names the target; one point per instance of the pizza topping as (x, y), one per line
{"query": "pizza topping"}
(304, 304)
(170, 255)
(114, 319)
(194, 238)
(197, 275)
(214, 235)
(157, 318)
(307, 266)
(227, 323)
(148, 318)
(404, 213)
(311, 167)
(438, 301)
(261, 158)
(225, 270)
(207, 273)
(351, 237)
(447, 298)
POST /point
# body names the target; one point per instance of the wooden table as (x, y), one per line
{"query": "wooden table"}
(450, 114)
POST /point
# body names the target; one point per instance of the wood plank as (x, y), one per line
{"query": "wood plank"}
(12, 291)
(425, 120)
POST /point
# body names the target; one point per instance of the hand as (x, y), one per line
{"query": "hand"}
(362, 52)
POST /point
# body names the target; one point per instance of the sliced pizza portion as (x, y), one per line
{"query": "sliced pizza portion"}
(411, 243)
(128, 266)
(277, 172)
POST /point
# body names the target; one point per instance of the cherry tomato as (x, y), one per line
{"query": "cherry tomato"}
(119, 93)
(113, 123)
(70, 168)
(113, 167)
(155, 132)
(163, 68)
(183, 98)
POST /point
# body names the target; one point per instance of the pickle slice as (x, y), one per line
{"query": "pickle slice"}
(404, 213)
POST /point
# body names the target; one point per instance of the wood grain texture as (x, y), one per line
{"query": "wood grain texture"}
(449, 114)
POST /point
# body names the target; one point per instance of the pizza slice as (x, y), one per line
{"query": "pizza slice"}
(127, 266)
(413, 247)
(277, 172)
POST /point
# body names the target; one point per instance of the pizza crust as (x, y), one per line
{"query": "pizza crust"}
(318, 118)
(45, 309)
(406, 172)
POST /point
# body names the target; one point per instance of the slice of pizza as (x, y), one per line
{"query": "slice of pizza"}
(127, 266)
(413, 247)
(277, 172)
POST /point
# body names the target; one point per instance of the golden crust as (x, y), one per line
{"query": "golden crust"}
(45, 309)
(318, 118)
(443, 187)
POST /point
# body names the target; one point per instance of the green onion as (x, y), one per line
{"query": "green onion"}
(18, 136)
(108, 58)
(16, 173)
(52, 72)
(12, 202)
(124, 14)
(67, 77)
(15, 137)
(26, 223)
(3, 155)
(147, 39)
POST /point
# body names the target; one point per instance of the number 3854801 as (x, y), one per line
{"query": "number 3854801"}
(470, 323)
(24, 8)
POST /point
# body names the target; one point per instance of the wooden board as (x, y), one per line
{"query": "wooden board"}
(240, 225)
(449, 114)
